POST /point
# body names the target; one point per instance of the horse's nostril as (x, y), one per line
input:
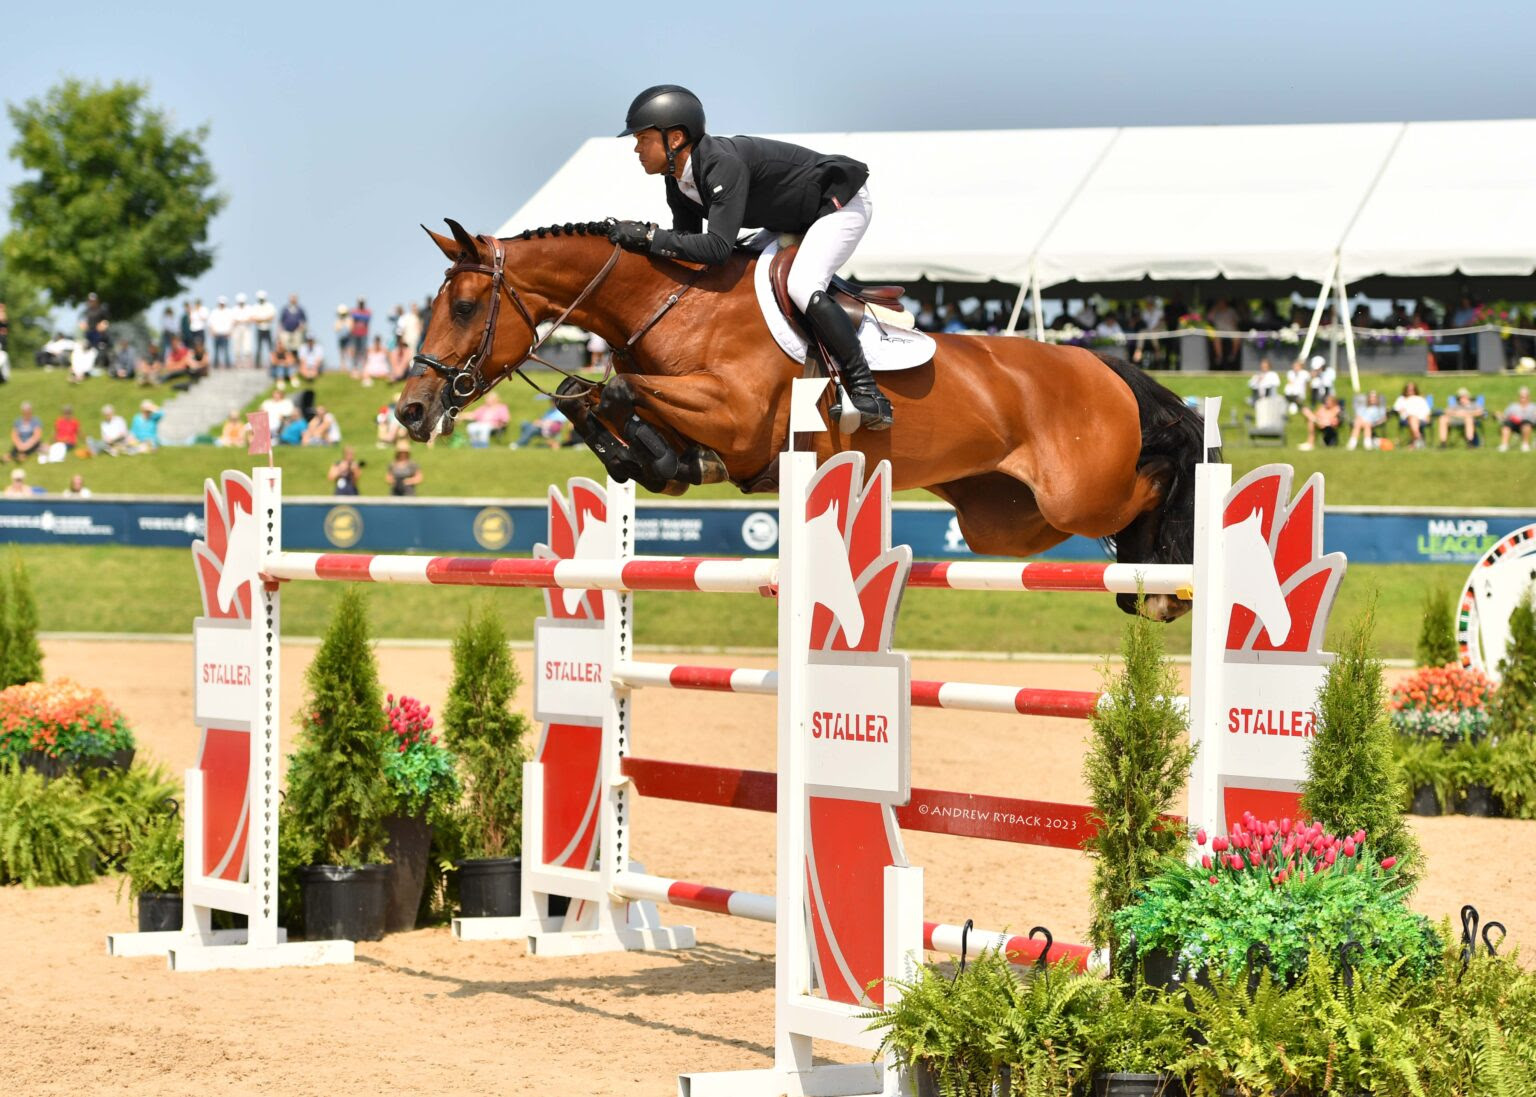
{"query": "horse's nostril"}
(410, 413)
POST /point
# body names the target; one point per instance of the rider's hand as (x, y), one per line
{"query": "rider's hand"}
(634, 235)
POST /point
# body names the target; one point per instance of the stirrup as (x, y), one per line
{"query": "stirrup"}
(874, 415)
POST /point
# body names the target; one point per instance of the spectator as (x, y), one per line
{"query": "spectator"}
(94, 323)
(1086, 317)
(178, 361)
(376, 368)
(1412, 410)
(343, 329)
(221, 325)
(66, 434)
(291, 432)
(146, 427)
(82, 362)
(548, 426)
(199, 326)
(26, 434)
(169, 329)
(185, 323)
(263, 317)
(486, 420)
(278, 407)
(1264, 383)
(245, 334)
(1227, 350)
(235, 432)
(389, 431)
(410, 330)
(149, 366)
(1323, 378)
(404, 474)
(1298, 383)
(1519, 416)
(282, 364)
(17, 488)
(311, 359)
(359, 320)
(1324, 420)
(949, 320)
(77, 488)
(58, 351)
(1109, 328)
(1371, 415)
(346, 473)
(323, 430)
(399, 361)
(1466, 413)
(291, 324)
(114, 433)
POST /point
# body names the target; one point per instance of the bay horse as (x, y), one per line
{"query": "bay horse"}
(1029, 442)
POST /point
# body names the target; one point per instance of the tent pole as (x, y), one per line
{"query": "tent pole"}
(1039, 312)
(1018, 301)
(1349, 336)
(1317, 313)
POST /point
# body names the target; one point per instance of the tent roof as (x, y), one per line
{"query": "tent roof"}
(1171, 202)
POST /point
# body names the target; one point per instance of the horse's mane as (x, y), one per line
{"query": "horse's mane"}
(580, 228)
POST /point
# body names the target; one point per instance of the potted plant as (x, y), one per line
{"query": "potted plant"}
(1475, 766)
(487, 738)
(1133, 1035)
(155, 871)
(423, 786)
(336, 803)
(1429, 774)
(58, 726)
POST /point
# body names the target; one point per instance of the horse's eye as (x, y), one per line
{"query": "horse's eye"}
(462, 310)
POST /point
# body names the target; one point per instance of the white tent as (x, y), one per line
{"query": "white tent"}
(1186, 202)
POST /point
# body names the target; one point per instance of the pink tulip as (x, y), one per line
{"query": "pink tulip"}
(1213, 879)
(1349, 847)
(1205, 862)
(1219, 844)
(1333, 856)
(1200, 836)
(1285, 826)
(1388, 862)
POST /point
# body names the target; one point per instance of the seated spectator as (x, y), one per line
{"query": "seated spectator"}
(77, 488)
(235, 432)
(146, 427)
(58, 351)
(548, 426)
(404, 474)
(311, 359)
(282, 363)
(486, 420)
(26, 434)
(322, 430)
(290, 432)
(1325, 420)
(66, 434)
(376, 366)
(1109, 328)
(149, 367)
(1298, 383)
(1322, 379)
(1518, 417)
(17, 488)
(1264, 383)
(278, 406)
(1463, 412)
(82, 363)
(400, 357)
(1412, 410)
(114, 434)
(1368, 417)
(390, 431)
(346, 473)
(178, 360)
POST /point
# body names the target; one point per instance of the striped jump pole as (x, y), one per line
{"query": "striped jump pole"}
(1178, 579)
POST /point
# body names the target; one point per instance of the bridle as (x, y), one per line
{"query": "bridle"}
(465, 382)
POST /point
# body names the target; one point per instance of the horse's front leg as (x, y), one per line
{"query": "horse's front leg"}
(733, 428)
(625, 396)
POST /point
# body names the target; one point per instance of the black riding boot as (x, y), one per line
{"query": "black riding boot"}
(831, 323)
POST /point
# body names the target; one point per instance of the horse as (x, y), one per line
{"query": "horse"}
(1029, 442)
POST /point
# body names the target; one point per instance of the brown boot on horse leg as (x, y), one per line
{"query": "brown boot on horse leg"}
(837, 334)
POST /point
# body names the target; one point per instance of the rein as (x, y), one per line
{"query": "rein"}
(465, 382)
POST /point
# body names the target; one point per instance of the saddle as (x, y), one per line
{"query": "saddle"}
(854, 297)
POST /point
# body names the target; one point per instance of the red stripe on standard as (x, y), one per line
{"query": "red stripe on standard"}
(345, 566)
(711, 678)
(1063, 576)
(715, 786)
(1056, 702)
(475, 571)
(660, 574)
(700, 897)
(999, 818)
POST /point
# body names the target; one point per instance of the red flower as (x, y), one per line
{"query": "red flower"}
(1205, 862)
(1219, 844)
(1200, 836)
(1388, 862)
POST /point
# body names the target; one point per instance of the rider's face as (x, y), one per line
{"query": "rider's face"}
(651, 151)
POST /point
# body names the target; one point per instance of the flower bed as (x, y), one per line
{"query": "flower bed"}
(61, 720)
(1449, 703)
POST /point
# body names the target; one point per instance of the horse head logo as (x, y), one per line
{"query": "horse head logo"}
(578, 530)
(228, 560)
(857, 578)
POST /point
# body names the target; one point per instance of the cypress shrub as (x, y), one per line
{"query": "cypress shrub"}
(1512, 719)
(5, 631)
(1137, 764)
(487, 736)
(1437, 630)
(1354, 778)
(337, 797)
(25, 662)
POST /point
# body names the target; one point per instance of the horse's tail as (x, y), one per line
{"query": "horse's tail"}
(1172, 439)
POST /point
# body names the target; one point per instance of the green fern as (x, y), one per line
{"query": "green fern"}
(48, 830)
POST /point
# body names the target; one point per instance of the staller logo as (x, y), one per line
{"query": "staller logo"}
(343, 526)
(493, 528)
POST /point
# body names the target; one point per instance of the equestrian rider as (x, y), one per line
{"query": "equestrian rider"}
(736, 181)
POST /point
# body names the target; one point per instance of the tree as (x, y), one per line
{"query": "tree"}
(1514, 702)
(119, 202)
(20, 654)
(1354, 779)
(27, 314)
(1137, 764)
(1437, 630)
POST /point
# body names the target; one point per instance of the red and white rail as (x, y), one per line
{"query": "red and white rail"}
(633, 574)
(1176, 579)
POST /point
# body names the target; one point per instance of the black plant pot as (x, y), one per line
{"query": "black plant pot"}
(1121, 1084)
(1425, 801)
(1158, 968)
(924, 1078)
(410, 839)
(491, 887)
(344, 904)
(43, 763)
(159, 911)
(1481, 801)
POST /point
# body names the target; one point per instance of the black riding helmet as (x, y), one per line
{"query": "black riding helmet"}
(666, 107)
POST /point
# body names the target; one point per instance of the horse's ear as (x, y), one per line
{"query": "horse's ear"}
(449, 246)
(467, 243)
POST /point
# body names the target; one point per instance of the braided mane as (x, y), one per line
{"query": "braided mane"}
(585, 228)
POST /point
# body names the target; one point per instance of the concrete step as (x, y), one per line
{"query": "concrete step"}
(202, 408)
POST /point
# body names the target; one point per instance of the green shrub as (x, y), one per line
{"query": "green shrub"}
(337, 799)
(1429, 762)
(487, 736)
(48, 830)
(1437, 630)
(156, 863)
(417, 768)
(20, 654)
(1353, 780)
(1137, 765)
(132, 803)
(1514, 702)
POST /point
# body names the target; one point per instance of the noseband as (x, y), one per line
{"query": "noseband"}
(465, 382)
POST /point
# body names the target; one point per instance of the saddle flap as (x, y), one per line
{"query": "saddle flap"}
(851, 295)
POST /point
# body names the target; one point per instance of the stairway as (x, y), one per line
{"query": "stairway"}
(202, 408)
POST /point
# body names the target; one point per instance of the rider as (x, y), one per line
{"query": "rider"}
(736, 181)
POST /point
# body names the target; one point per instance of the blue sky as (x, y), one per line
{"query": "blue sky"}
(337, 127)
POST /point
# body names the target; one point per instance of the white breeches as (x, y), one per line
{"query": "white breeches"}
(827, 245)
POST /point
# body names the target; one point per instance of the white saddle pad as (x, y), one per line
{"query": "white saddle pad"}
(887, 345)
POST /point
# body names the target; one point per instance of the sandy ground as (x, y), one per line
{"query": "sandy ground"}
(420, 1013)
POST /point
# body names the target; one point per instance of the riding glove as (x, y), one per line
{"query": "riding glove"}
(634, 235)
